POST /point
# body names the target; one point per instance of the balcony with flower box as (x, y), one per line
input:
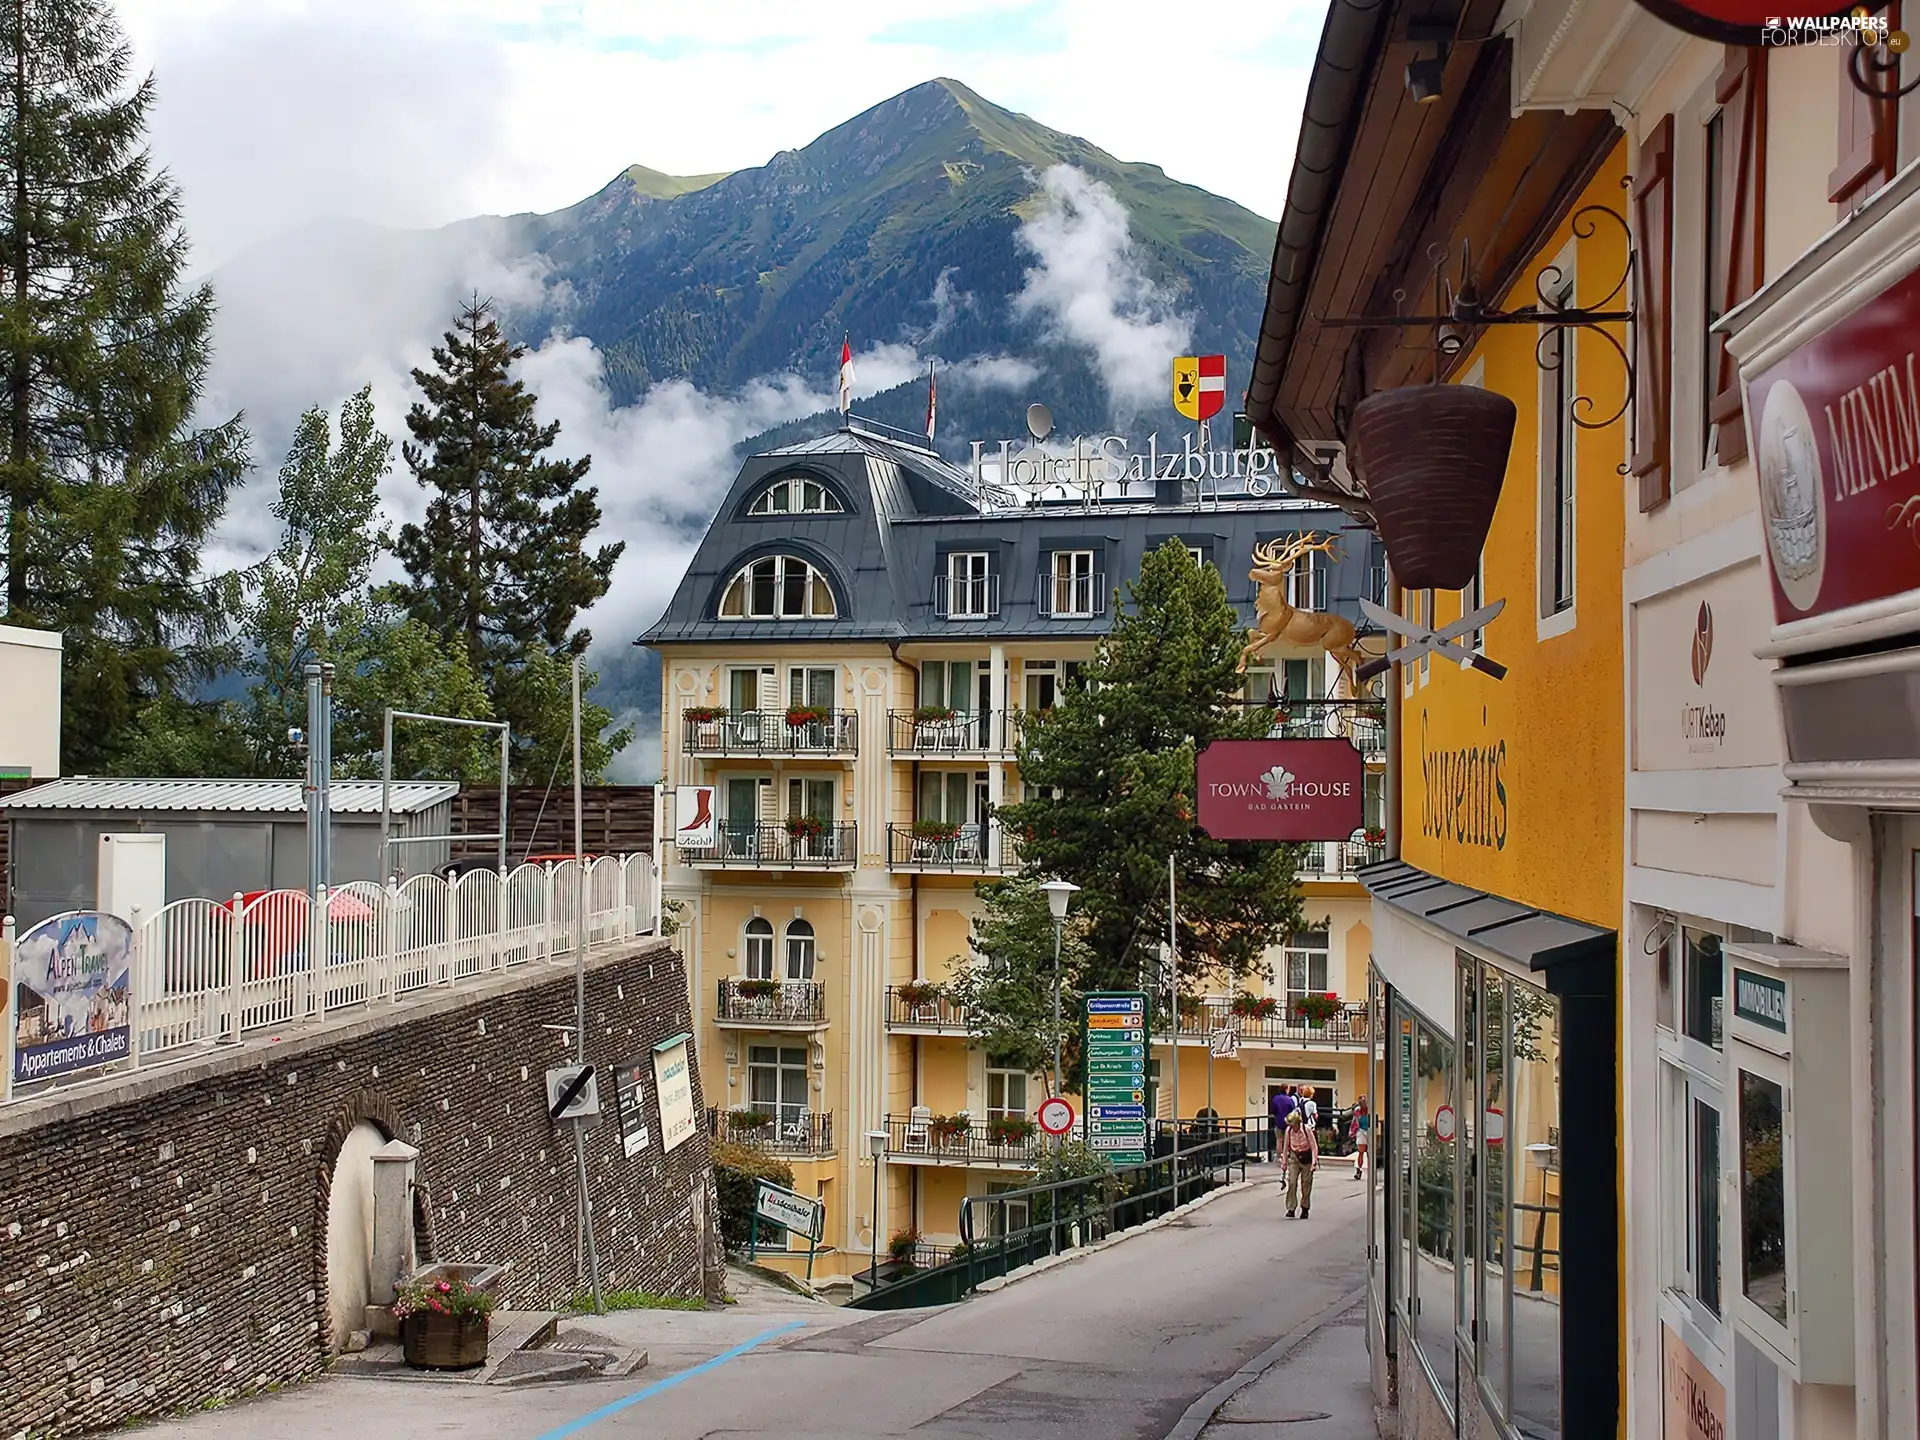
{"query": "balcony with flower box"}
(1313, 1021)
(801, 843)
(753, 1004)
(921, 1007)
(942, 847)
(1000, 1142)
(938, 732)
(714, 732)
(776, 1130)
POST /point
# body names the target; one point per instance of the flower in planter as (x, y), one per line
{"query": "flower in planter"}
(903, 1244)
(1010, 1129)
(1375, 835)
(935, 829)
(806, 827)
(706, 714)
(756, 989)
(798, 715)
(918, 992)
(441, 1295)
(927, 713)
(1317, 1009)
(1255, 1007)
(746, 1118)
(949, 1128)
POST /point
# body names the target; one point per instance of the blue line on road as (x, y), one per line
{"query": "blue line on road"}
(574, 1427)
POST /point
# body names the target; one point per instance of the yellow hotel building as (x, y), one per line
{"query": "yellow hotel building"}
(845, 664)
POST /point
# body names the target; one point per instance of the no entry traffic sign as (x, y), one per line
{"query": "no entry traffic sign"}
(1056, 1115)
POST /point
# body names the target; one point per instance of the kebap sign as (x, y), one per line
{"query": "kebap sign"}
(1280, 789)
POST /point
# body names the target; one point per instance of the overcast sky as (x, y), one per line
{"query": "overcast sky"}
(418, 112)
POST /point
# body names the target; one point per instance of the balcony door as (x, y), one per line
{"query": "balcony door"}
(750, 691)
(747, 800)
(811, 685)
(777, 1081)
(810, 796)
(759, 949)
(1305, 959)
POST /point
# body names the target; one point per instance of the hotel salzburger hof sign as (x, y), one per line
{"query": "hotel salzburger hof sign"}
(1836, 436)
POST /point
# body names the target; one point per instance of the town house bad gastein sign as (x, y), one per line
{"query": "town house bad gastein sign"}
(1837, 436)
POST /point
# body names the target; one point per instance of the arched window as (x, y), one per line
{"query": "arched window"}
(759, 949)
(799, 950)
(796, 495)
(778, 587)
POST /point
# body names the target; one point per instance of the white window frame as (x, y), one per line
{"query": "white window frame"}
(1199, 554)
(785, 1111)
(1691, 452)
(1007, 1076)
(974, 587)
(804, 674)
(795, 487)
(800, 952)
(1067, 575)
(818, 602)
(757, 945)
(1282, 983)
(1558, 387)
(1307, 581)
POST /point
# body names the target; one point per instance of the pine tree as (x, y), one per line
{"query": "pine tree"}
(1118, 752)
(501, 560)
(108, 492)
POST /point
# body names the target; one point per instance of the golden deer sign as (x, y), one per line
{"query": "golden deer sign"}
(1276, 618)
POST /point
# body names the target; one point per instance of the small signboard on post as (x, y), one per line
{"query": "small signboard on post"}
(1226, 1043)
(792, 1212)
(572, 1093)
(1115, 1025)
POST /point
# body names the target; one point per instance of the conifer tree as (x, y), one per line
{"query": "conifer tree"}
(1110, 776)
(501, 560)
(108, 492)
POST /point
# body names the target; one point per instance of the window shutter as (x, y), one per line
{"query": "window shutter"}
(1742, 93)
(1653, 315)
(1869, 130)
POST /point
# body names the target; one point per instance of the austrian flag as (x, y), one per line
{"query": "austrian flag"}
(846, 374)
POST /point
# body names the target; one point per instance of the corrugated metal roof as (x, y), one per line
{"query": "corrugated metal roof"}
(287, 797)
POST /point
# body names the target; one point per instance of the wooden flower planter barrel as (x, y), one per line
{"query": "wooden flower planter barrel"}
(1432, 459)
(443, 1342)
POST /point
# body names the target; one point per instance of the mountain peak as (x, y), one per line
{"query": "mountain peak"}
(656, 185)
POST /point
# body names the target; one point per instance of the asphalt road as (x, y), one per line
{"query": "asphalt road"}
(1112, 1346)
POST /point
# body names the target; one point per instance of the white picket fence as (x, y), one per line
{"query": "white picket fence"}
(209, 970)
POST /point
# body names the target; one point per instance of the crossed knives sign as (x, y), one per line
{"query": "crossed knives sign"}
(1425, 640)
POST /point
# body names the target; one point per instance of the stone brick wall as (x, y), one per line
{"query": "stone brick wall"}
(163, 1234)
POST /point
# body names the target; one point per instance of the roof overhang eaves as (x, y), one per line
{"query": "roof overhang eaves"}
(1527, 935)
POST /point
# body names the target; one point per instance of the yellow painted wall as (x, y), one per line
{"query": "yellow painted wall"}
(1517, 786)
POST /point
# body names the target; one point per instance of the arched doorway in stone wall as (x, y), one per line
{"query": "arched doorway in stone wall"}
(350, 1232)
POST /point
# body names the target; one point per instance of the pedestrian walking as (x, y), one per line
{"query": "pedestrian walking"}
(1362, 1128)
(1279, 1105)
(1309, 1110)
(1303, 1155)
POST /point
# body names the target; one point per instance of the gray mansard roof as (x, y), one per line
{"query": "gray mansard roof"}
(906, 509)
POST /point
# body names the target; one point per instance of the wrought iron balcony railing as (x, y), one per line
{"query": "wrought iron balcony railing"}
(1073, 597)
(966, 597)
(778, 846)
(1363, 722)
(801, 730)
(924, 1007)
(956, 848)
(1346, 1026)
(776, 1129)
(772, 1004)
(1011, 1141)
(932, 731)
(1338, 857)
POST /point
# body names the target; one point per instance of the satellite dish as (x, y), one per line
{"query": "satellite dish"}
(1039, 422)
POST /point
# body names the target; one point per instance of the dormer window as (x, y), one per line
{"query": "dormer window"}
(778, 587)
(796, 495)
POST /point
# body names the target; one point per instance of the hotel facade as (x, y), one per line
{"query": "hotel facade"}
(845, 664)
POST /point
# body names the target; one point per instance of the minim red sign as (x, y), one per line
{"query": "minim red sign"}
(1280, 789)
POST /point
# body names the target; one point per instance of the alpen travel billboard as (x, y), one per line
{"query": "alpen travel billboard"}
(72, 987)
(1280, 789)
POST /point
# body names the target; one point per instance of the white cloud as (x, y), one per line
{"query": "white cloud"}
(1090, 290)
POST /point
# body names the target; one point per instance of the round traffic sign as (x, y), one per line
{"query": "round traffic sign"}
(1496, 1126)
(1443, 1122)
(1056, 1115)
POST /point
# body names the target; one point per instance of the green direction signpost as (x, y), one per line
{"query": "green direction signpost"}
(1115, 1029)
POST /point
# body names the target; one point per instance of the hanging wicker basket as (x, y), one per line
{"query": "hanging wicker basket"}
(1432, 459)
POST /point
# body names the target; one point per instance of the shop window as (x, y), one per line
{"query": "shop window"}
(1433, 1206)
(1705, 981)
(1531, 1124)
(1491, 1188)
(759, 949)
(1763, 1199)
(1703, 1201)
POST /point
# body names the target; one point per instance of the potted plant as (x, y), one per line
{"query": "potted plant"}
(1375, 835)
(802, 715)
(950, 1129)
(443, 1321)
(918, 992)
(805, 827)
(756, 989)
(902, 1246)
(928, 714)
(745, 1119)
(1254, 1007)
(1317, 1009)
(1010, 1129)
(935, 830)
(706, 714)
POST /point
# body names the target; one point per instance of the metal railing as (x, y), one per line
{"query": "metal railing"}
(211, 970)
(1364, 722)
(915, 847)
(924, 1010)
(926, 731)
(777, 1130)
(778, 844)
(1002, 1232)
(771, 1002)
(1339, 857)
(1073, 597)
(969, 597)
(770, 732)
(1011, 1141)
(1346, 1026)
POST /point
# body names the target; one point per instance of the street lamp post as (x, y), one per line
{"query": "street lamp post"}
(877, 1148)
(1059, 892)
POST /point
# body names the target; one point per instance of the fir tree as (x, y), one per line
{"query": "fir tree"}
(1118, 751)
(108, 492)
(501, 560)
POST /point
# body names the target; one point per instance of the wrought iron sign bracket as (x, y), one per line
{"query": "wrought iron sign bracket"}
(1459, 310)
(1874, 68)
